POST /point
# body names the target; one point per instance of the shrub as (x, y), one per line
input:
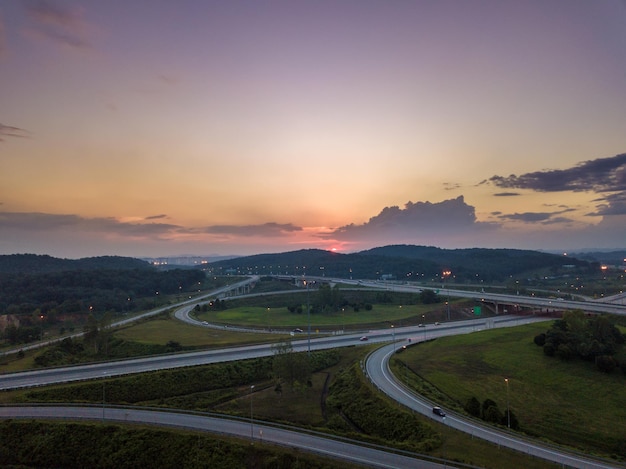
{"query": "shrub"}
(472, 407)
(605, 363)
(540, 339)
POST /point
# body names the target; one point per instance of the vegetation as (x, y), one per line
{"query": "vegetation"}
(568, 403)
(80, 445)
(313, 405)
(38, 305)
(38, 264)
(594, 338)
(414, 263)
(328, 391)
(357, 407)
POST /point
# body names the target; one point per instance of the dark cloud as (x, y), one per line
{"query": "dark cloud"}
(603, 175)
(264, 230)
(9, 131)
(45, 222)
(450, 186)
(538, 217)
(612, 204)
(600, 175)
(450, 218)
(528, 217)
(58, 24)
(506, 194)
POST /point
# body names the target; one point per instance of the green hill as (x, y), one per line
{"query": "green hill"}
(407, 262)
(39, 264)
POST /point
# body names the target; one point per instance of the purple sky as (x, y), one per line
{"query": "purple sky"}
(154, 128)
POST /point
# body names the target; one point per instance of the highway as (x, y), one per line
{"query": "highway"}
(378, 371)
(376, 367)
(351, 451)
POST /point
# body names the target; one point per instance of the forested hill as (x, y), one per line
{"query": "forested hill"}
(402, 261)
(40, 264)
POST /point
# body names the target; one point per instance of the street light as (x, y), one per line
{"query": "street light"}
(308, 316)
(393, 335)
(508, 411)
(251, 417)
(103, 395)
(446, 274)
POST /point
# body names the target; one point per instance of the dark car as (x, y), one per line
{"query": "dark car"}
(363, 339)
(438, 411)
(298, 330)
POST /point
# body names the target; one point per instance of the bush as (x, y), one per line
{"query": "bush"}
(606, 363)
(564, 352)
(540, 339)
(472, 407)
(548, 349)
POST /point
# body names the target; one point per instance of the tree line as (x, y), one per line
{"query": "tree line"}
(591, 338)
(37, 302)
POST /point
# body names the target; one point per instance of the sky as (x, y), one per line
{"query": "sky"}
(151, 128)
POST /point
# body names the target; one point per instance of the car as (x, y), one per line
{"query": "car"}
(363, 339)
(438, 411)
(421, 325)
(437, 324)
(205, 323)
(298, 330)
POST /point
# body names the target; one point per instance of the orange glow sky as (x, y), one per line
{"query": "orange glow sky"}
(151, 128)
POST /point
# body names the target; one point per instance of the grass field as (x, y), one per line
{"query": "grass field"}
(280, 317)
(571, 403)
(160, 331)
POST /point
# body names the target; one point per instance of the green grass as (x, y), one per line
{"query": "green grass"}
(280, 317)
(160, 331)
(571, 403)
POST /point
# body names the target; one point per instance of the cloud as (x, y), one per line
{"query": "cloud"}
(506, 194)
(60, 25)
(45, 222)
(600, 175)
(603, 175)
(614, 204)
(450, 186)
(416, 223)
(538, 217)
(9, 131)
(264, 230)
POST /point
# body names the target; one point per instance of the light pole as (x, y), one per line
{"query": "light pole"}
(508, 411)
(308, 316)
(251, 417)
(446, 274)
(393, 335)
(103, 395)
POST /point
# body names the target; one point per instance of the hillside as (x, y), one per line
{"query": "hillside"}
(39, 264)
(407, 262)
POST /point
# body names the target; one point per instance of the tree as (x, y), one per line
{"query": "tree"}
(492, 414)
(290, 366)
(486, 404)
(429, 297)
(510, 420)
(564, 352)
(472, 406)
(540, 339)
(606, 363)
